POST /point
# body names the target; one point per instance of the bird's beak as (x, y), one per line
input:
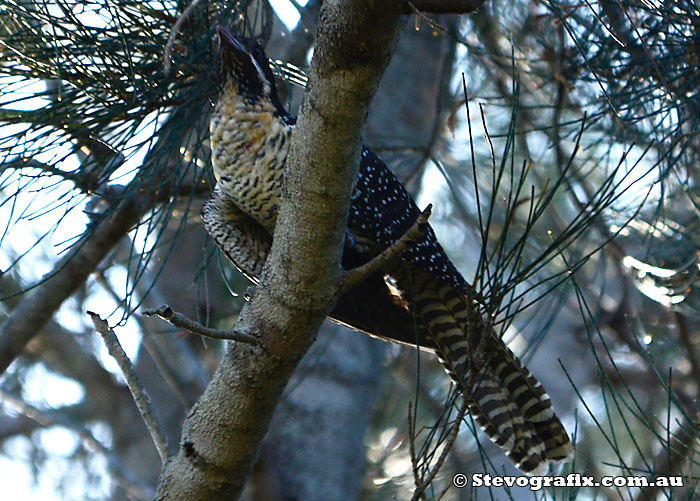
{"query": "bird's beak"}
(229, 42)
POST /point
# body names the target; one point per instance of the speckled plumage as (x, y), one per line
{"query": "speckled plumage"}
(250, 135)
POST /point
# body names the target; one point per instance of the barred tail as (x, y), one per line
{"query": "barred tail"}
(509, 404)
(514, 411)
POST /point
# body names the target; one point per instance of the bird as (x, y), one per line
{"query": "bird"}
(422, 300)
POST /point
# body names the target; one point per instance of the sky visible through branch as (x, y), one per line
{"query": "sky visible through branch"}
(42, 388)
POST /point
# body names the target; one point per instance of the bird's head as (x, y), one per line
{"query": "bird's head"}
(244, 66)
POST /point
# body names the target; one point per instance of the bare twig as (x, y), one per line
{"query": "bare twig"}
(420, 488)
(444, 6)
(466, 387)
(412, 450)
(419, 15)
(357, 275)
(166, 370)
(141, 398)
(179, 320)
(135, 488)
(167, 55)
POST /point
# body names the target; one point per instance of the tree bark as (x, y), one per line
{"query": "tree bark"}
(223, 431)
(316, 445)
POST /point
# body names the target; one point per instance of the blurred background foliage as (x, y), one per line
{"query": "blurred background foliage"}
(557, 141)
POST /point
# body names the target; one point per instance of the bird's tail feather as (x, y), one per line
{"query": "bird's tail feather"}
(509, 404)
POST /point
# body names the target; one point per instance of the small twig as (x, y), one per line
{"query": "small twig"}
(136, 489)
(446, 6)
(466, 390)
(412, 447)
(420, 489)
(167, 64)
(356, 276)
(166, 370)
(420, 15)
(297, 6)
(179, 320)
(143, 402)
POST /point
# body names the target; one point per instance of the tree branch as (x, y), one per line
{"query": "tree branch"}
(222, 434)
(168, 53)
(179, 320)
(141, 398)
(443, 6)
(38, 306)
(421, 486)
(358, 275)
(165, 367)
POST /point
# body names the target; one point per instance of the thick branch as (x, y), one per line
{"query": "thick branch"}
(222, 434)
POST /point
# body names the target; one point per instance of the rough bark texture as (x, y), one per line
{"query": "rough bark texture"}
(222, 433)
(315, 449)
